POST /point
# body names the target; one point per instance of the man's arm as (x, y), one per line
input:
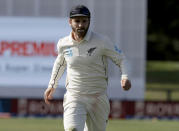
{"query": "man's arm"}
(57, 71)
(116, 55)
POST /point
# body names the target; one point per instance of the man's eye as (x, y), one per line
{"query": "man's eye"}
(77, 21)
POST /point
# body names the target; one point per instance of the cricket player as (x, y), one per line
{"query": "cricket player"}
(84, 54)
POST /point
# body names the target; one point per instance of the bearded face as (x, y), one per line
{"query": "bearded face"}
(79, 25)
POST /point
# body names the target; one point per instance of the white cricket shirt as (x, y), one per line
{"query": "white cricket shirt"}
(86, 63)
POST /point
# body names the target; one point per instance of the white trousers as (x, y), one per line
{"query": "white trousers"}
(85, 112)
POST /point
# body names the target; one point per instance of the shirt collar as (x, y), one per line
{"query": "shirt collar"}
(87, 36)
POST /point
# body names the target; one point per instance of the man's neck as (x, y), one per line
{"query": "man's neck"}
(77, 37)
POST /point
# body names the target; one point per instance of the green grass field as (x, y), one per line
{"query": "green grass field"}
(49, 124)
(162, 75)
(165, 73)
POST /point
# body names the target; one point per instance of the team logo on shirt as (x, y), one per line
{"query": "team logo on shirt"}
(117, 49)
(90, 51)
(68, 52)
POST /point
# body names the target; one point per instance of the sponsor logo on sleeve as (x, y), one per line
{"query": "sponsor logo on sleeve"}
(117, 49)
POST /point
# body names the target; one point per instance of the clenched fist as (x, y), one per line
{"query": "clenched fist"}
(125, 84)
(48, 95)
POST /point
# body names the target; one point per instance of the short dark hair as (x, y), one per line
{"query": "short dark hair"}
(80, 10)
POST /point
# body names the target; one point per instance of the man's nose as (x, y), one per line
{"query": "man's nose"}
(81, 24)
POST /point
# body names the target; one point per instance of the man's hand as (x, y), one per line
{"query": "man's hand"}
(125, 84)
(48, 95)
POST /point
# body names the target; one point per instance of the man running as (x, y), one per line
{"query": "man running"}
(84, 53)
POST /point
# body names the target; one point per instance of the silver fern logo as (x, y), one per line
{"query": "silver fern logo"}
(90, 51)
(117, 49)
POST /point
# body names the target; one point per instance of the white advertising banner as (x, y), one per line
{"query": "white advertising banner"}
(28, 50)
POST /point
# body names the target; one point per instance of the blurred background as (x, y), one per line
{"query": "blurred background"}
(146, 31)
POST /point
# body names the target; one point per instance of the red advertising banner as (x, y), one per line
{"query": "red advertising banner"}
(160, 109)
(119, 109)
(122, 109)
(39, 107)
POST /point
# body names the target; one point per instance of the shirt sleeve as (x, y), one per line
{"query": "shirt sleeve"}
(116, 55)
(58, 68)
